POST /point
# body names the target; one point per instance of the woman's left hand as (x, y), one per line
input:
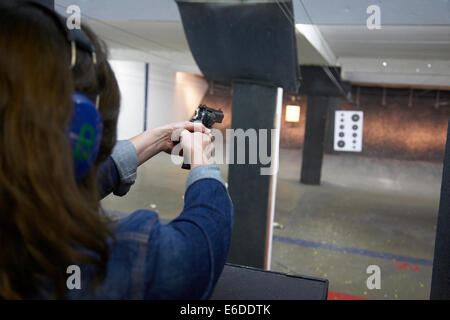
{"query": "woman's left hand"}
(164, 138)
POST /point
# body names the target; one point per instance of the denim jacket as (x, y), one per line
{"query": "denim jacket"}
(150, 260)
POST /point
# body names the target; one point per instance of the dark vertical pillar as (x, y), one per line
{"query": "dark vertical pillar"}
(440, 282)
(333, 105)
(254, 107)
(313, 146)
(48, 3)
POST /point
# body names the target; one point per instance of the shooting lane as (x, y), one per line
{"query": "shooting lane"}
(228, 44)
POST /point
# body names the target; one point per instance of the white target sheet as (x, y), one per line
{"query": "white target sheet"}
(348, 131)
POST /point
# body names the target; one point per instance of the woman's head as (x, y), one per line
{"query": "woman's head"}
(46, 216)
(93, 79)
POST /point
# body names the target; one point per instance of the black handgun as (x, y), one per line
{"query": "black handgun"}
(208, 116)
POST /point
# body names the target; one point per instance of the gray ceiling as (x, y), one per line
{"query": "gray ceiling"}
(414, 34)
(392, 41)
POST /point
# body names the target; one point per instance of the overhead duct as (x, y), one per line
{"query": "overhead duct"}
(247, 40)
(324, 81)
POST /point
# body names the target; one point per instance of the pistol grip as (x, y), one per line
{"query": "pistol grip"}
(186, 166)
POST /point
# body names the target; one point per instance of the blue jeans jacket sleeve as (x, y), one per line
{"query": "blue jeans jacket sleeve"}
(190, 252)
(118, 173)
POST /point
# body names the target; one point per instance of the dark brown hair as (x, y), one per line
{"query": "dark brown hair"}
(48, 220)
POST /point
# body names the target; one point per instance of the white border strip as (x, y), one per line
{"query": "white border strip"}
(275, 152)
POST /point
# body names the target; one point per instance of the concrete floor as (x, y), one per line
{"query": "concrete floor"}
(366, 212)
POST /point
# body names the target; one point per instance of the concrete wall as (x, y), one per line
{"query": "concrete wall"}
(401, 128)
(397, 130)
(413, 129)
(131, 78)
(172, 96)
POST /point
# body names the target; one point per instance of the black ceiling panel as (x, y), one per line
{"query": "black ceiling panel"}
(252, 41)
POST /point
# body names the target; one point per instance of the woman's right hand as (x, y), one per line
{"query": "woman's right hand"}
(197, 147)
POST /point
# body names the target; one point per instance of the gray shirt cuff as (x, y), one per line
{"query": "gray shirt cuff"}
(125, 158)
(204, 172)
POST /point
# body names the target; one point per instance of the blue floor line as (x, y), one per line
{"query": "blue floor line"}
(361, 252)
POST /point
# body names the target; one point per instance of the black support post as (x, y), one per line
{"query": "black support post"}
(313, 146)
(254, 107)
(47, 3)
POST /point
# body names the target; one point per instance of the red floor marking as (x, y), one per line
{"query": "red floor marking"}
(406, 266)
(401, 265)
(342, 296)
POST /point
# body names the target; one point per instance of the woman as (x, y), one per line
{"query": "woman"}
(49, 220)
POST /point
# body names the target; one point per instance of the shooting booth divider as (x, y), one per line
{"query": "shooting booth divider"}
(250, 44)
(440, 281)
